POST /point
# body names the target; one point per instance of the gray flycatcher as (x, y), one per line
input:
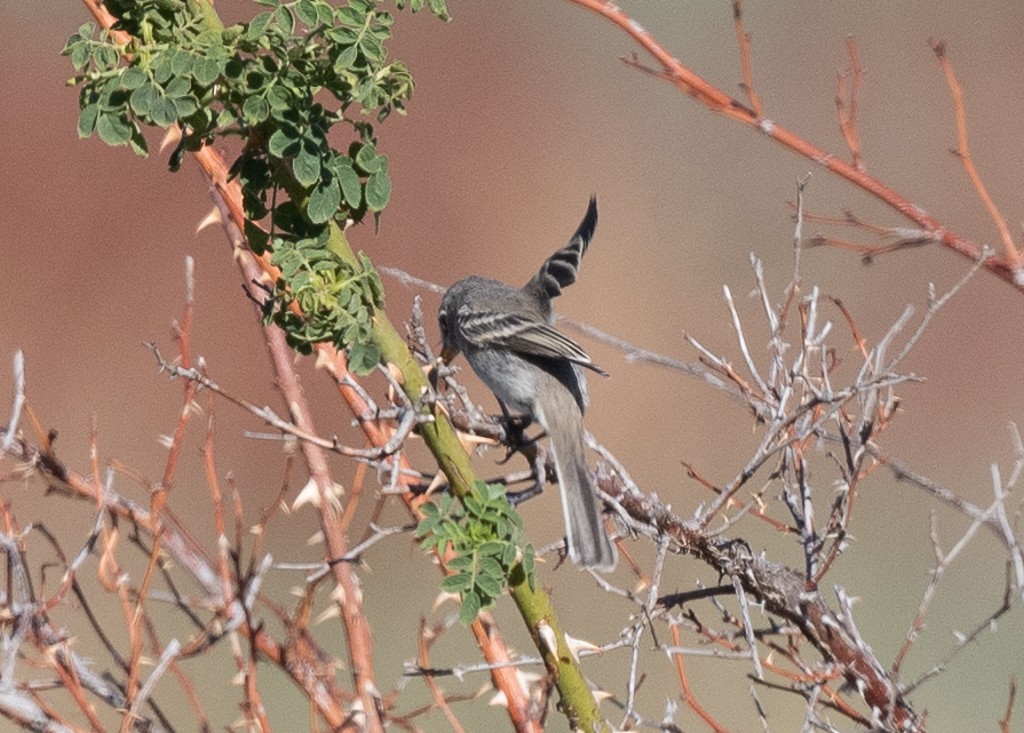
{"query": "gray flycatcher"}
(535, 371)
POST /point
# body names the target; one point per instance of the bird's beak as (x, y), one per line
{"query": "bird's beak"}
(447, 354)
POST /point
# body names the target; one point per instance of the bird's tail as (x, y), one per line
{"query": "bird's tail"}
(561, 269)
(585, 536)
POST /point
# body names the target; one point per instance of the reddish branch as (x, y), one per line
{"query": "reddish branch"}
(963, 151)
(186, 552)
(743, 41)
(684, 684)
(846, 103)
(1009, 267)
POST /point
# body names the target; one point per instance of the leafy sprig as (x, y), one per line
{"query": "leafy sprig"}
(283, 82)
(486, 535)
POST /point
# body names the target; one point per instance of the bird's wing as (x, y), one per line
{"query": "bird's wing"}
(523, 335)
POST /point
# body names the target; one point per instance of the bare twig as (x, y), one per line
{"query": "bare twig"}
(408, 422)
(963, 152)
(743, 43)
(17, 401)
(846, 103)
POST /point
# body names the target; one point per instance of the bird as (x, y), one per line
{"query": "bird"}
(534, 370)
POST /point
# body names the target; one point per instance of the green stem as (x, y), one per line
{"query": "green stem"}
(576, 700)
(534, 605)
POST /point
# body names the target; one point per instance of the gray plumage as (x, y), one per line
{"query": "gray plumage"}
(534, 370)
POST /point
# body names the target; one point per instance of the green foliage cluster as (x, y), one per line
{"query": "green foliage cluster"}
(284, 82)
(485, 534)
(334, 298)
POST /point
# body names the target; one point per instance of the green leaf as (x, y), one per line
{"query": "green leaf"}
(162, 70)
(210, 40)
(287, 217)
(363, 358)
(109, 94)
(437, 7)
(378, 190)
(462, 563)
(306, 10)
(351, 186)
(285, 19)
(351, 16)
(306, 166)
(138, 143)
(430, 523)
(490, 550)
(232, 33)
(255, 110)
(457, 583)
(489, 567)
(169, 7)
(163, 112)
(489, 585)
(257, 26)
(470, 608)
(113, 128)
(368, 160)
(185, 106)
(181, 63)
(346, 59)
(474, 504)
(373, 289)
(279, 98)
(284, 143)
(80, 55)
(105, 57)
(373, 49)
(508, 555)
(178, 87)
(226, 118)
(142, 99)
(133, 77)
(342, 36)
(87, 120)
(324, 201)
(324, 13)
(206, 71)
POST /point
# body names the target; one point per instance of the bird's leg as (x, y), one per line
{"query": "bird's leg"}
(516, 439)
(538, 460)
(514, 424)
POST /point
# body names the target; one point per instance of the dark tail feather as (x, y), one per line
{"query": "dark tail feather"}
(560, 269)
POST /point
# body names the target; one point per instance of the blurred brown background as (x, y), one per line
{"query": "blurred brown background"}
(521, 111)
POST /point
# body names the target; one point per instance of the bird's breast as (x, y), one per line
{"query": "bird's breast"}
(509, 376)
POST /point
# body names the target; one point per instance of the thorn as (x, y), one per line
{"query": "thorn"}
(332, 611)
(577, 645)
(547, 637)
(443, 598)
(310, 494)
(171, 138)
(213, 217)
